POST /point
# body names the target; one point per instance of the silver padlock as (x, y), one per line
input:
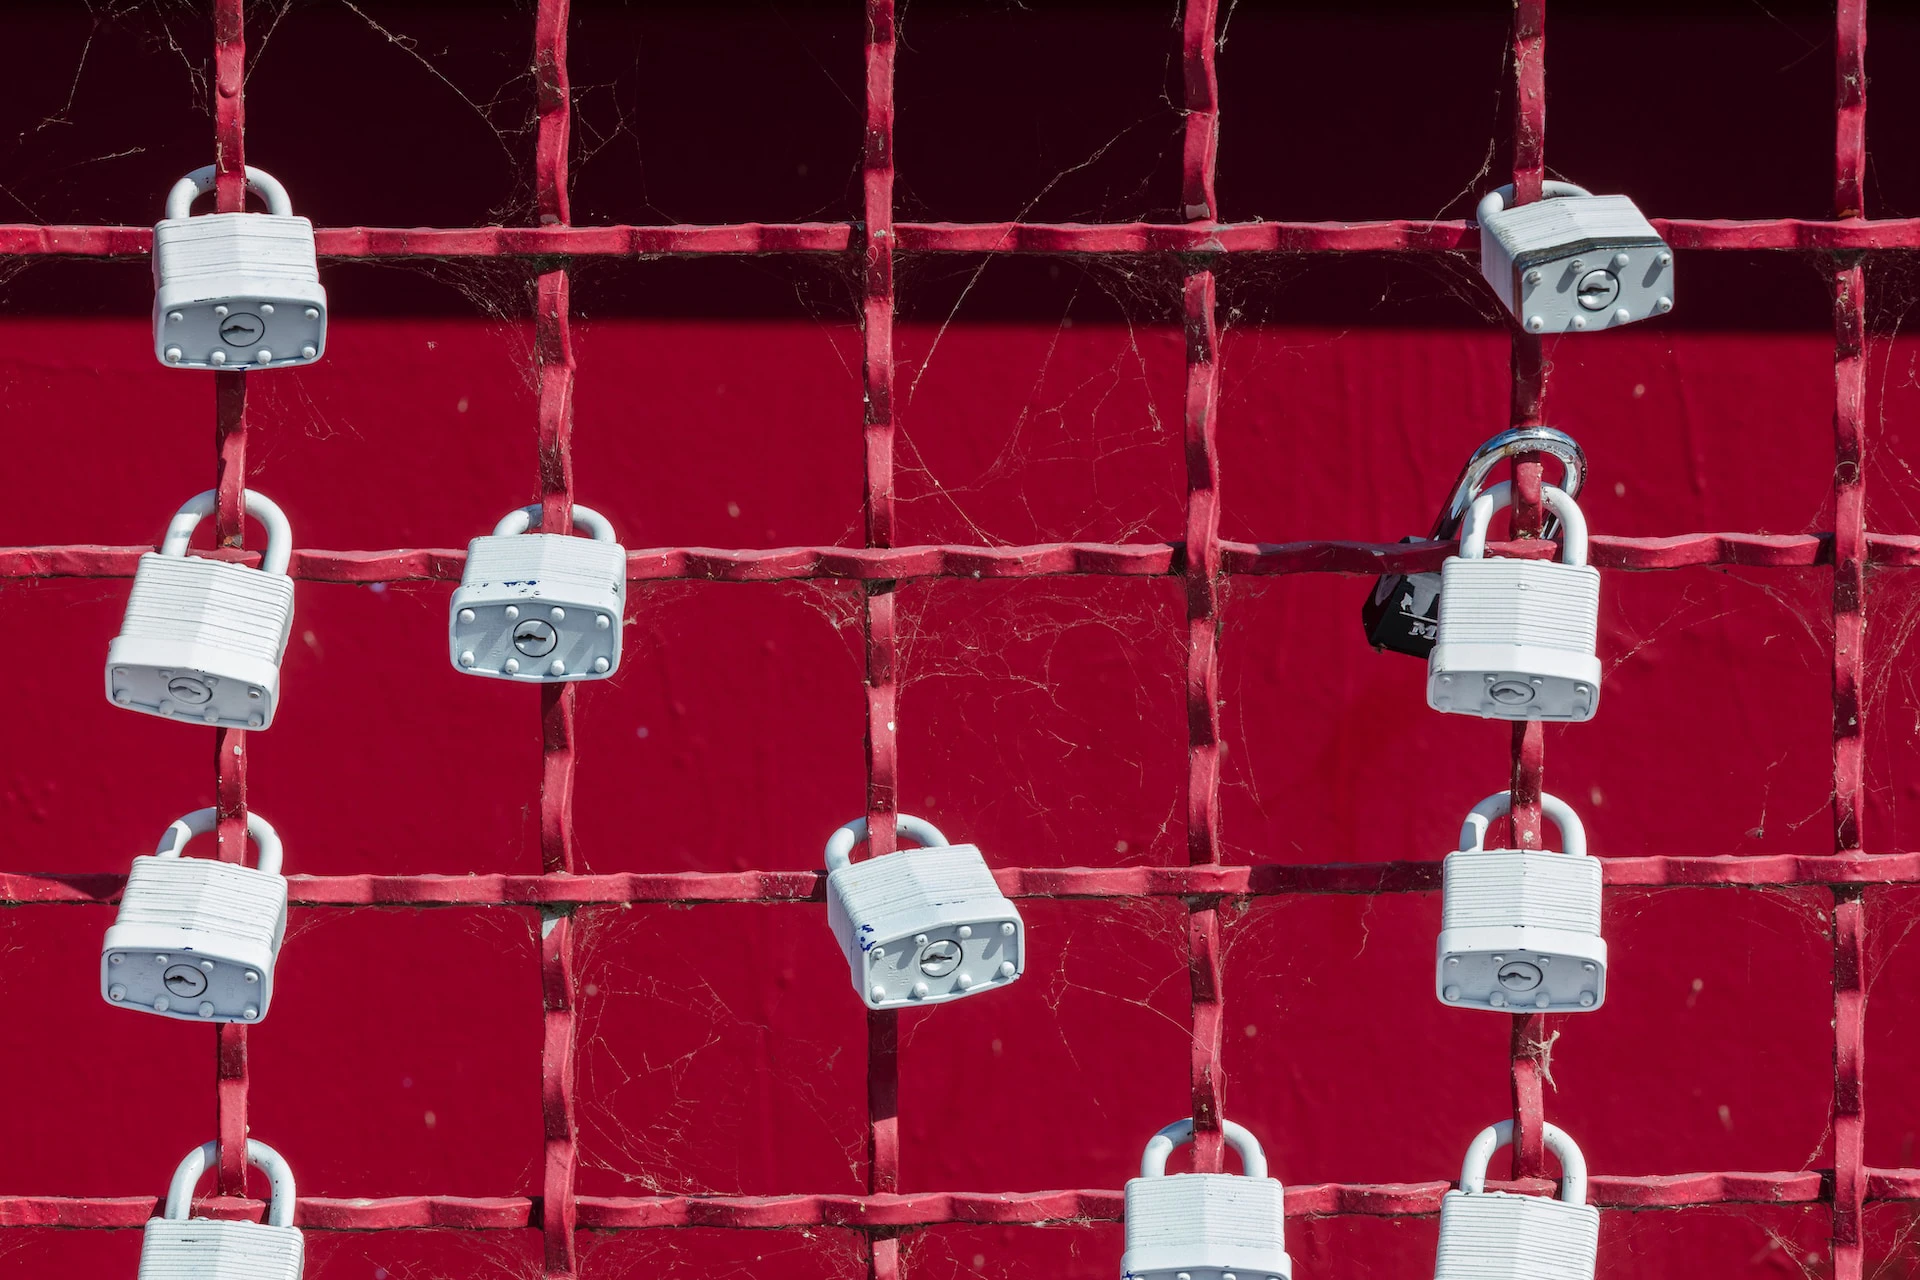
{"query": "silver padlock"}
(540, 607)
(1502, 1235)
(177, 1247)
(1205, 1226)
(1520, 929)
(921, 926)
(236, 290)
(196, 938)
(1518, 639)
(1573, 260)
(202, 639)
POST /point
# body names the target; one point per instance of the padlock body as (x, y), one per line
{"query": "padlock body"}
(532, 600)
(1496, 1235)
(1207, 1225)
(1520, 932)
(244, 285)
(206, 1249)
(201, 641)
(923, 926)
(1517, 640)
(195, 939)
(1575, 244)
(1403, 612)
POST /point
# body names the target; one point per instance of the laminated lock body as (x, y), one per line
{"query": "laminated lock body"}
(1517, 640)
(1402, 613)
(531, 602)
(1205, 1225)
(1495, 1235)
(195, 939)
(922, 926)
(201, 641)
(1521, 931)
(1598, 259)
(209, 1249)
(243, 285)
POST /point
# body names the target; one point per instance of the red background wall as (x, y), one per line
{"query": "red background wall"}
(719, 403)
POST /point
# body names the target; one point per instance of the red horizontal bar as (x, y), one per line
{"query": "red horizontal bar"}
(1205, 880)
(626, 241)
(612, 1213)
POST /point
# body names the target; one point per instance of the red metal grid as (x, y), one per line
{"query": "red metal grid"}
(1203, 559)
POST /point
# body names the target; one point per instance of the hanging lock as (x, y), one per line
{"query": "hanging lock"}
(1205, 1226)
(1403, 613)
(1520, 928)
(540, 607)
(1573, 261)
(236, 291)
(176, 1247)
(196, 938)
(202, 639)
(1503, 1235)
(921, 926)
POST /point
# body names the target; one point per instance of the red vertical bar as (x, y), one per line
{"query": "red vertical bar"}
(1198, 47)
(1849, 638)
(553, 357)
(230, 474)
(883, 1044)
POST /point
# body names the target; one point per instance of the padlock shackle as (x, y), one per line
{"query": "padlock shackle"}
(841, 844)
(1573, 1165)
(597, 526)
(1153, 1164)
(183, 193)
(202, 821)
(259, 1155)
(1508, 444)
(1573, 523)
(1573, 833)
(279, 552)
(1496, 200)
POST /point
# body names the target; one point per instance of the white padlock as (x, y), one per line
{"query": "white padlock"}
(1518, 639)
(921, 926)
(1502, 1235)
(177, 1247)
(1520, 929)
(196, 938)
(1205, 1226)
(1572, 260)
(236, 291)
(202, 639)
(540, 607)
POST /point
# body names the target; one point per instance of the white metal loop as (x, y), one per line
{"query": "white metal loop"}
(259, 1155)
(1573, 834)
(598, 527)
(1573, 523)
(1153, 1164)
(202, 821)
(841, 844)
(1496, 200)
(1573, 1165)
(181, 196)
(279, 552)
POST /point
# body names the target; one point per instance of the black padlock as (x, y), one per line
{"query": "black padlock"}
(1403, 611)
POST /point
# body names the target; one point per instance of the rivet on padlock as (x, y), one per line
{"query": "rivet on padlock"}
(202, 639)
(176, 1245)
(1503, 1235)
(1520, 929)
(1517, 639)
(540, 607)
(921, 926)
(1205, 1226)
(1573, 261)
(196, 938)
(1403, 610)
(236, 291)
